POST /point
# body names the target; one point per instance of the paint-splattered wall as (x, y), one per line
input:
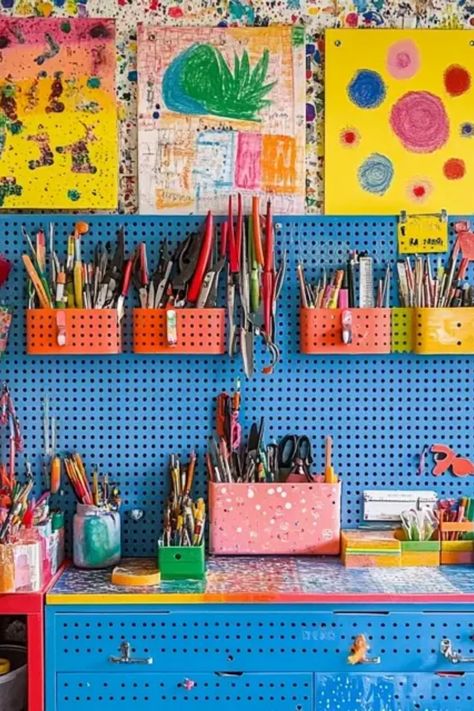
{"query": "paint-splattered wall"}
(317, 15)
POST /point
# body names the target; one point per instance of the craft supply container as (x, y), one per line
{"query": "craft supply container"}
(457, 551)
(73, 332)
(198, 332)
(444, 331)
(321, 331)
(182, 562)
(7, 568)
(269, 519)
(403, 331)
(96, 537)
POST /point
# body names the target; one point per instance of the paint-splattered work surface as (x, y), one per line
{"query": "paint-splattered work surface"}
(271, 579)
(58, 114)
(220, 109)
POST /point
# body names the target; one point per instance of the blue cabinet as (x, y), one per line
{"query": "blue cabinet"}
(255, 656)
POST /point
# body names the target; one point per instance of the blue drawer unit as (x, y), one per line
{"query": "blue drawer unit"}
(169, 692)
(258, 638)
(384, 692)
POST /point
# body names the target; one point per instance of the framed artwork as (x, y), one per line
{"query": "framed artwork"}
(58, 114)
(399, 121)
(220, 110)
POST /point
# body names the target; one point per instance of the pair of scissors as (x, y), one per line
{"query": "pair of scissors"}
(295, 457)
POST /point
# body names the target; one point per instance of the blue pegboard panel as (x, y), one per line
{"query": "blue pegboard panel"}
(128, 413)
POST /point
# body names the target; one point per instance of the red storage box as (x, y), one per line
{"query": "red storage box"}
(289, 519)
(321, 331)
(73, 332)
(199, 331)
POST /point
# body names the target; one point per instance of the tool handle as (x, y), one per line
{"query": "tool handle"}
(240, 230)
(267, 289)
(203, 260)
(269, 240)
(126, 277)
(257, 237)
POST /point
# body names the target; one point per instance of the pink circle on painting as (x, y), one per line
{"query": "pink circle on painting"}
(420, 121)
(403, 59)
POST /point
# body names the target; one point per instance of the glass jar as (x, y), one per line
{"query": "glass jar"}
(96, 537)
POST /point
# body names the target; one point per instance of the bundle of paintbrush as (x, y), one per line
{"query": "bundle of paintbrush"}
(422, 284)
(184, 520)
(16, 508)
(72, 283)
(13, 438)
(352, 286)
(102, 493)
(189, 276)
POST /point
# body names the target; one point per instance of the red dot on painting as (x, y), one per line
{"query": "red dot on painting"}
(350, 137)
(419, 191)
(454, 169)
(457, 80)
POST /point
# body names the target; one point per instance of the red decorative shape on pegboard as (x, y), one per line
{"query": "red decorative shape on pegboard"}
(199, 331)
(73, 332)
(321, 331)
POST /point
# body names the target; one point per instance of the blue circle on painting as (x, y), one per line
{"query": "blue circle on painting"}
(367, 89)
(467, 130)
(376, 174)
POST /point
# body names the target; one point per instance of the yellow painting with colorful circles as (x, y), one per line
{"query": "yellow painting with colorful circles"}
(399, 121)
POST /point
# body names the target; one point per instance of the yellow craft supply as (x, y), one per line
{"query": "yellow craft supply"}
(329, 475)
(4, 666)
(136, 574)
(37, 283)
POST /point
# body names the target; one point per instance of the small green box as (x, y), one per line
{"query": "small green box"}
(182, 562)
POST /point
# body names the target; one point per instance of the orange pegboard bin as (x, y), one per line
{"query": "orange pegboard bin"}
(321, 331)
(199, 332)
(73, 332)
(444, 331)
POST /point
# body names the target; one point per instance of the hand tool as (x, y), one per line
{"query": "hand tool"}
(124, 291)
(295, 457)
(202, 260)
(268, 293)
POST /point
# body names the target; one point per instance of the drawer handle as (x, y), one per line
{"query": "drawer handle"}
(125, 658)
(359, 650)
(447, 651)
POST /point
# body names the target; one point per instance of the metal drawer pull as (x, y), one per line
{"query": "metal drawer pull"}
(358, 652)
(447, 651)
(125, 658)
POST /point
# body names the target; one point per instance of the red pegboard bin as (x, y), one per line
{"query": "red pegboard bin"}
(199, 331)
(73, 332)
(321, 331)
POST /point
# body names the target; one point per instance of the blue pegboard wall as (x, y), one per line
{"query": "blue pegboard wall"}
(127, 413)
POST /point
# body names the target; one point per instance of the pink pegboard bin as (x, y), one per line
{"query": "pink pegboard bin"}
(275, 519)
(321, 331)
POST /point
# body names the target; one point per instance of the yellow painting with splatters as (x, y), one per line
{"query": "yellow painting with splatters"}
(399, 121)
(58, 114)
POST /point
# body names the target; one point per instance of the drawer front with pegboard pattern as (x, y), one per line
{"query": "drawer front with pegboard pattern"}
(260, 640)
(170, 692)
(383, 692)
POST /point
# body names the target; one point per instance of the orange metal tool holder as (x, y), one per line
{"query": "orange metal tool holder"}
(73, 332)
(199, 331)
(321, 331)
